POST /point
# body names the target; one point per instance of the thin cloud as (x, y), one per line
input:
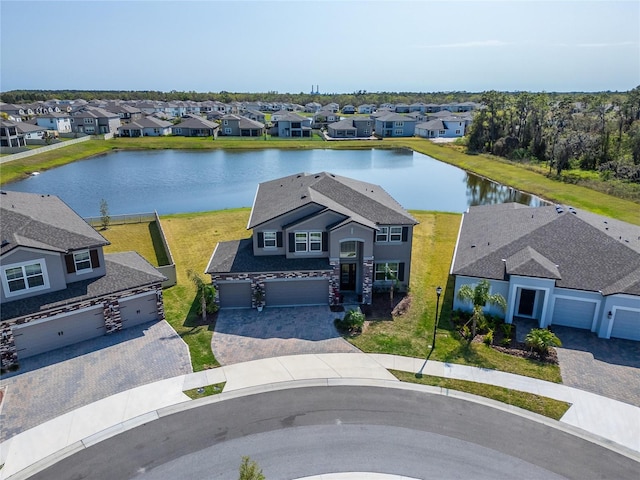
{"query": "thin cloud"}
(604, 45)
(471, 44)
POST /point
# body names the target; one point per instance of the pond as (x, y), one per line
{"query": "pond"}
(175, 181)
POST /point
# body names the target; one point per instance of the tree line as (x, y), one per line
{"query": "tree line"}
(596, 132)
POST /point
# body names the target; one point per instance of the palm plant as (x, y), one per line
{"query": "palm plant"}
(205, 292)
(541, 339)
(480, 296)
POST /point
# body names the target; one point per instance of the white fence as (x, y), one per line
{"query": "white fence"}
(169, 270)
(36, 151)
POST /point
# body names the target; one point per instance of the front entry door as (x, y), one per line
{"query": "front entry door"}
(527, 299)
(348, 276)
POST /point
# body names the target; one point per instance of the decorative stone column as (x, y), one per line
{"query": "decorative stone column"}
(367, 280)
(334, 282)
(112, 317)
(8, 351)
(160, 303)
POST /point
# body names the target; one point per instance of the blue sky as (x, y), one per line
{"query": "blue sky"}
(342, 46)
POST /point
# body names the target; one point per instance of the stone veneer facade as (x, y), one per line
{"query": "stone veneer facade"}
(111, 310)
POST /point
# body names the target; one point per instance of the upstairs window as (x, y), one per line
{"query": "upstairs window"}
(348, 249)
(269, 239)
(315, 241)
(395, 234)
(28, 276)
(382, 235)
(301, 241)
(82, 261)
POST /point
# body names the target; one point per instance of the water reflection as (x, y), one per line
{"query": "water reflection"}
(481, 191)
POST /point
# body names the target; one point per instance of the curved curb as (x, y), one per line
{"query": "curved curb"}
(121, 427)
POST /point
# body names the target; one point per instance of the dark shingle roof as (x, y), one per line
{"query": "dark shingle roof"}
(367, 203)
(237, 257)
(43, 222)
(125, 271)
(579, 250)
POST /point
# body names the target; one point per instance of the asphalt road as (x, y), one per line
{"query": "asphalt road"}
(310, 431)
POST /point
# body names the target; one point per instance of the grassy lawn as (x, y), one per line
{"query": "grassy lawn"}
(143, 238)
(207, 391)
(548, 407)
(411, 334)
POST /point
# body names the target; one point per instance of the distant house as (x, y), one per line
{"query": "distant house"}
(402, 108)
(366, 109)
(94, 121)
(394, 125)
(448, 127)
(255, 115)
(33, 134)
(192, 126)
(239, 126)
(348, 110)
(556, 265)
(61, 122)
(316, 238)
(58, 287)
(10, 136)
(146, 127)
(354, 127)
(324, 118)
(291, 125)
(127, 113)
(312, 107)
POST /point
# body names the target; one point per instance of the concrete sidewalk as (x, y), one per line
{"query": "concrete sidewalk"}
(614, 422)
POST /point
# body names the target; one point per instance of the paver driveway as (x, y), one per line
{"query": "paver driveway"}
(246, 334)
(608, 367)
(53, 383)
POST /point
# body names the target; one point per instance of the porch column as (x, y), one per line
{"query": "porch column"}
(367, 280)
(334, 281)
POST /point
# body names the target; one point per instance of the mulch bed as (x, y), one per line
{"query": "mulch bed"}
(517, 349)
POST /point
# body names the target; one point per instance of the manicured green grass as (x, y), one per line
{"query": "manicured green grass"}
(548, 407)
(412, 333)
(207, 391)
(143, 238)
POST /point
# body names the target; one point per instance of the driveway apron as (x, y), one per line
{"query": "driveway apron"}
(53, 383)
(608, 367)
(246, 334)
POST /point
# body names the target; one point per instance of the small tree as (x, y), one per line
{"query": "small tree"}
(480, 296)
(105, 219)
(541, 339)
(205, 292)
(249, 470)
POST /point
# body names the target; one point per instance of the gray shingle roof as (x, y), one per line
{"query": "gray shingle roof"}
(579, 250)
(363, 201)
(125, 271)
(237, 257)
(44, 222)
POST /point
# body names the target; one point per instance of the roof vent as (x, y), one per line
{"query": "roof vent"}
(5, 242)
(317, 176)
(473, 246)
(559, 209)
(2, 192)
(303, 197)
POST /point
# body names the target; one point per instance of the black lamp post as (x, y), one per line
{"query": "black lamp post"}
(435, 324)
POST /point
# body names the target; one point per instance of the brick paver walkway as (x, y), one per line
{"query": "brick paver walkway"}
(53, 383)
(244, 335)
(608, 367)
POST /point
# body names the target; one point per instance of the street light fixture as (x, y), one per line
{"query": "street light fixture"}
(435, 324)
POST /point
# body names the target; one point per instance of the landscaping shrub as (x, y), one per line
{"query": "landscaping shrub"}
(353, 321)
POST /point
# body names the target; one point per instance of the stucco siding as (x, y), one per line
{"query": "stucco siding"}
(54, 271)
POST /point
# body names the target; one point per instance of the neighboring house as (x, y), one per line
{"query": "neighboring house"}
(324, 118)
(127, 113)
(239, 126)
(402, 108)
(450, 127)
(61, 122)
(354, 127)
(195, 127)
(14, 112)
(316, 238)
(58, 287)
(145, 127)
(312, 107)
(366, 109)
(348, 109)
(34, 134)
(10, 136)
(554, 264)
(291, 125)
(331, 107)
(95, 121)
(418, 107)
(255, 115)
(394, 125)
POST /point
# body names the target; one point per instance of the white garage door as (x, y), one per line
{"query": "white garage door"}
(297, 292)
(235, 295)
(138, 310)
(573, 313)
(35, 338)
(626, 324)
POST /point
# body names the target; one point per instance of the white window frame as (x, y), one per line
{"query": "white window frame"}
(227, 131)
(350, 253)
(270, 239)
(382, 235)
(395, 234)
(301, 242)
(315, 241)
(385, 268)
(82, 262)
(399, 124)
(23, 266)
(398, 131)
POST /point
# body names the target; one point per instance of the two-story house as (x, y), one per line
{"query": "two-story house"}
(291, 125)
(394, 125)
(316, 239)
(61, 122)
(239, 126)
(57, 286)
